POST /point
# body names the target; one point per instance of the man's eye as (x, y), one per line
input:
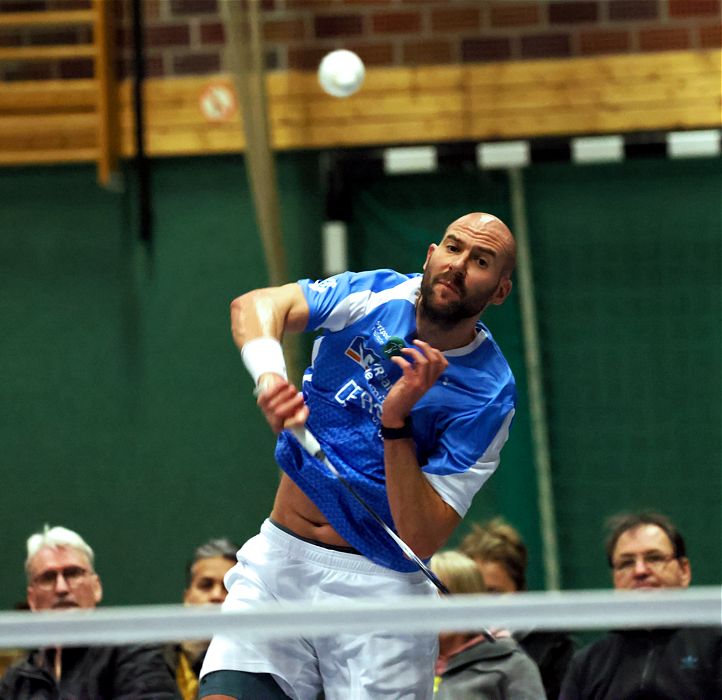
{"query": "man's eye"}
(205, 584)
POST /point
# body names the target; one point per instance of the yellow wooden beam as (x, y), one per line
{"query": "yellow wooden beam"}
(45, 18)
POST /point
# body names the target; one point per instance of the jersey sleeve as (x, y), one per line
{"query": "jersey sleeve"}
(337, 302)
(468, 454)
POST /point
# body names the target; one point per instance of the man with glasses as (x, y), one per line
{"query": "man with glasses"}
(61, 576)
(646, 551)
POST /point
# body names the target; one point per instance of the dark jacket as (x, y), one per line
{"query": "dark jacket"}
(92, 673)
(662, 664)
(499, 671)
(552, 652)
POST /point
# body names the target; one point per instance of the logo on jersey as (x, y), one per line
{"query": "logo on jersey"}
(322, 286)
(360, 354)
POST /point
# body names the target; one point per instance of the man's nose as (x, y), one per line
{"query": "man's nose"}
(61, 585)
(218, 595)
(641, 568)
(458, 263)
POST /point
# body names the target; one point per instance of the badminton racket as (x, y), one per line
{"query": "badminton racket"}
(310, 444)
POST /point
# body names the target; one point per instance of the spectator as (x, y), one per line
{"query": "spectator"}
(204, 586)
(501, 555)
(61, 576)
(646, 551)
(468, 665)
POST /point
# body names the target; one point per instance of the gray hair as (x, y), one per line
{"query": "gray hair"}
(218, 547)
(54, 537)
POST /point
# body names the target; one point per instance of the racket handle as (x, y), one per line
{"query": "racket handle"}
(308, 441)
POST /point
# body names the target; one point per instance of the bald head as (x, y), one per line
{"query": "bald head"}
(482, 223)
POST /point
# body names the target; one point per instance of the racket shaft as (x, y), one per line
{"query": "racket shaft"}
(311, 445)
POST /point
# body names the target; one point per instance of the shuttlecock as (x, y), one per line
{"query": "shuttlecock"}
(341, 73)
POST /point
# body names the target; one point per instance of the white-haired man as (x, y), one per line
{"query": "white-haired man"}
(61, 575)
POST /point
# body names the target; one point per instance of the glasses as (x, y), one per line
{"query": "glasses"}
(73, 575)
(655, 561)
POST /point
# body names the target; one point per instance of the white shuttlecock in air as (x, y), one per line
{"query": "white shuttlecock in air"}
(341, 73)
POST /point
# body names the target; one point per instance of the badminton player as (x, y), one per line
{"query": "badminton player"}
(411, 401)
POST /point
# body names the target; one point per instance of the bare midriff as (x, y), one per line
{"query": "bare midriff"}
(296, 512)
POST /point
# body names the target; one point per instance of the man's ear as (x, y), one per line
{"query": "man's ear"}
(97, 589)
(429, 253)
(503, 289)
(31, 597)
(686, 571)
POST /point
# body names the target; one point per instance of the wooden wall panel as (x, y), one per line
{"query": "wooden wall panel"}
(612, 94)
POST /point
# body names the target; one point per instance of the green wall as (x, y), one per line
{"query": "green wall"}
(127, 414)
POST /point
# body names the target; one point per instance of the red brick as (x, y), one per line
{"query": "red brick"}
(151, 9)
(74, 68)
(427, 52)
(196, 64)
(164, 35)
(123, 10)
(194, 7)
(306, 57)
(692, 8)
(573, 12)
(710, 37)
(213, 33)
(376, 54)
(311, 5)
(396, 23)
(512, 14)
(282, 30)
(545, 46)
(68, 4)
(330, 26)
(625, 10)
(454, 19)
(153, 67)
(664, 39)
(489, 49)
(596, 42)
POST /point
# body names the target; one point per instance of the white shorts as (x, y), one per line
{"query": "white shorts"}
(275, 565)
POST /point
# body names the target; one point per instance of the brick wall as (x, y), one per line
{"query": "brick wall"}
(185, 37)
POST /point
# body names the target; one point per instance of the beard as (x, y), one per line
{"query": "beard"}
(450, 313)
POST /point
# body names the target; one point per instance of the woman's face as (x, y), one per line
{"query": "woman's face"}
(496, 577)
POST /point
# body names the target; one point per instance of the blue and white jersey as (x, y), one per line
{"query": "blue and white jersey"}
(459, 425)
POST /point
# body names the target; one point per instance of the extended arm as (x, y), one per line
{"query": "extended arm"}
(259, 320)
(422, 518)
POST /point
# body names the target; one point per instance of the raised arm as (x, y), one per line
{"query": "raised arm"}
(422, 518)
(259, 320)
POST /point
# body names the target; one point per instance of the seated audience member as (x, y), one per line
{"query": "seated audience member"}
(469, 666)
(61, 576)
(204, 586)
(646, 551)
(501, 556)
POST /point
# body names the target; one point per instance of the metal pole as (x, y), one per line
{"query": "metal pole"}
(537, 403)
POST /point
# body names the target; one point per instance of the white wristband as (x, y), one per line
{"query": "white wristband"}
(262, 355)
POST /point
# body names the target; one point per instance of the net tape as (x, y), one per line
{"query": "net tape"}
(576, 610)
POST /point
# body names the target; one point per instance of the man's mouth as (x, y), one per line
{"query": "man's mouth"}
(445, 282)
(64, 605)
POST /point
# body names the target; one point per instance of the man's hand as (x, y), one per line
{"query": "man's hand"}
(281, 402)
(421, 365)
